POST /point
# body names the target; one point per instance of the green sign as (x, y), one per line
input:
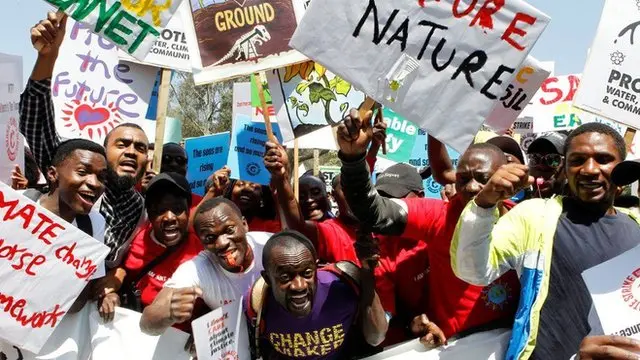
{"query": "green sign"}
(255, 98)
(401, 137)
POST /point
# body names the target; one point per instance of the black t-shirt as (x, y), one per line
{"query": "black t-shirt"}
(582, 241)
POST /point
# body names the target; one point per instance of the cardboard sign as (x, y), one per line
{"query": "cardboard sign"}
(11, 142)
(518, 94)
(611, 82)
(172, 130)
(233, 38)
(246, 150)
(38, 250)
(222, 334)
(401, 137)
(615, 289)
(207, 154)
(131, 25)
(170, 50)
(92, 91)
(551, 108)
(307, 97)
(436, 63)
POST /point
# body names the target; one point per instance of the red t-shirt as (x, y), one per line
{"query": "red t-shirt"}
(453, 304)
(336, 241)
(270, 226)
(195, 201)
(144, 249)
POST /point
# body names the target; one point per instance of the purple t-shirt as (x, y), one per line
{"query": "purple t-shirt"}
(321, 335)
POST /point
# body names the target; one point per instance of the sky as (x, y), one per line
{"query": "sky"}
(565, 41)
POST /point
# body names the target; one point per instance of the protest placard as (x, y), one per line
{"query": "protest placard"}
(615, 289)
(40, 251)
(246, 150)
(256, 105)
(551, 108)
(587, 117)
(92, 91)
(307, 97)
(222, 334)
(130, 25)
(170, 49)
(234, 38)
(206, 155)
(172, 130)
(435, 63)
(611, 81)
(401, 137)
(523, 87)
(11, 142)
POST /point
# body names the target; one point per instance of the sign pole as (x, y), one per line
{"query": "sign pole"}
(316, 162)
(265, 109)
(161, 117)
(296, 165)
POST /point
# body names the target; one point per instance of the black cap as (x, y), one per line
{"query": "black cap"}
(626, 172)
(508, 145)
(399, 180)
(556, 140)
(169, 182)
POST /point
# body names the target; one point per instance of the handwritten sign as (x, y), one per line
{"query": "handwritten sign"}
(518, 94)
(233, 38)
(247, 150)
(307, 97)
(611, 82)
(92, 91)
(552, 106)
(11, 142)
(206, 155)
(38, 250)
(432, 62)
(615, 290)
(170, 49)
(222, 334)
(129, 24)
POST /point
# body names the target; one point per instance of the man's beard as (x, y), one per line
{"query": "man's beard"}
(120, 183)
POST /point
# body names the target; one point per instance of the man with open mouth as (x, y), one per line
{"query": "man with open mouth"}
(220, 274)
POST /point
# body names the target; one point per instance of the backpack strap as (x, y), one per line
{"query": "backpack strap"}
(83, 221)
(348, 272)
(255, 305)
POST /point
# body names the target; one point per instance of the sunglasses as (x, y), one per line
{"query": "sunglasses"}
(550, 160)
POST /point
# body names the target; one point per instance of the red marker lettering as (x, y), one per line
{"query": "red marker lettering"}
(513, 29)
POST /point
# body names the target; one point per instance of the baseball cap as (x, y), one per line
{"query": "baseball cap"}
(556, 140)
(626, 172)
(508, 145)
(399, 180)
(169, 182)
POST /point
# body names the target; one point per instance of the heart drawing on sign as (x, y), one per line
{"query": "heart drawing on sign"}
(86, 115)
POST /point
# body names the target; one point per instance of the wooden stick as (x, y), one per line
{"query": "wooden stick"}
(367, 105)
(629, 135)
(316, 162)
(379, 119)
(296, 166)
(161, 117)
(265, 109)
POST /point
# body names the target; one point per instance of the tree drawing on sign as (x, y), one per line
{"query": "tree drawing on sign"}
(245, 48)
(318, 89)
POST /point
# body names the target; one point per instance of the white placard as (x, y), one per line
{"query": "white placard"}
(11, 142)
(92, 91)
(440, 64)
(611, 82)
(551, 108)
(222, 334)
(40, 254)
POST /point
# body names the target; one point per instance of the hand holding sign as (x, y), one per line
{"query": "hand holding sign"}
(355, 134)
(608, 347)
(504, 184)
(220, 181)
(47, 35)
(182, 303)
(276, 161)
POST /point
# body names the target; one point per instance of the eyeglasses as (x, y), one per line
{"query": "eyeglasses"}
(550, 160)
(180, 160)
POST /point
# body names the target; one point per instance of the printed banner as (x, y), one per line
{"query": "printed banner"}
(170, 50)
(517, 96)
(611, 81)
(307, 97)
(222, 334)
(551, 108)
(246, 150)
(84, 336)
(92, 91)
(615, 289)
(11, 142)
(401, 137)
(245, 102)
(131, 25)
(207, 154)
(234, 38)
(433, 62)
(40, 251)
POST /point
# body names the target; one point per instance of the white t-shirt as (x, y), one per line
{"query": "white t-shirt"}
(219, 286)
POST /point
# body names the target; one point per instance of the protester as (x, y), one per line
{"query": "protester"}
(545, 165)
(314, 200)
(459, 309)
(220, 274)
(303, 303)
(549, 242)
(148, 173)
(31, 177)
(126, 146)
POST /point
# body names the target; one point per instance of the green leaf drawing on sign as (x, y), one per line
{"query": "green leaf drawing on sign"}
(327, 94)
(315, 92)
(343, 107)
(300, 88)
(305, 108)
(294, 101)
(341, 86)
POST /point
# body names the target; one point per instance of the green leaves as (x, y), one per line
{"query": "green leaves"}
(340, 86)
(305, 108)
(317, 92)
(301, 87)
